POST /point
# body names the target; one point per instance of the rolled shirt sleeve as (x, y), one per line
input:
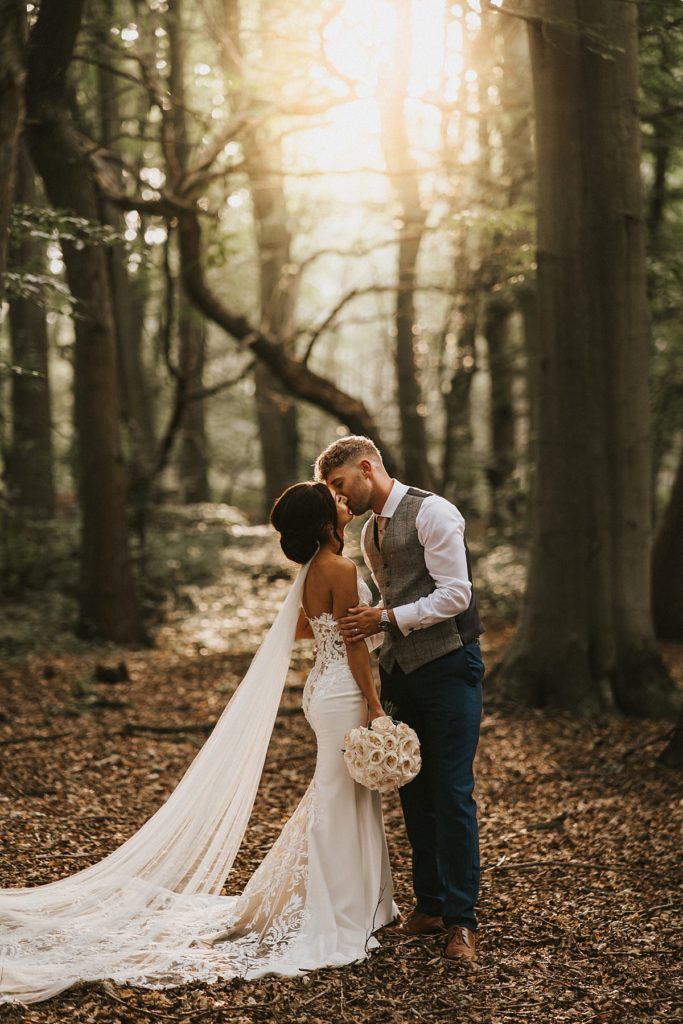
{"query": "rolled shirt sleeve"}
(441, 531)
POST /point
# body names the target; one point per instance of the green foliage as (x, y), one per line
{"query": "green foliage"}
(45, 290)
(59, 226)
(40, 223)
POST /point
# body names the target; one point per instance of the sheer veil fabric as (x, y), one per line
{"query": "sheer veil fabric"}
(143, 914)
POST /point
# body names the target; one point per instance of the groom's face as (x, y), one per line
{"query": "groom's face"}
(353, 480)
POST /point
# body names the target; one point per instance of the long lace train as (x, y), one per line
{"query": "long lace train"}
(143, 914)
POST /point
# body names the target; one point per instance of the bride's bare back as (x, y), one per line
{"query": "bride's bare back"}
(331, 585)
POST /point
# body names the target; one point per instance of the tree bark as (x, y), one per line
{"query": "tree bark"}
(193, 464)
(404, 177)
(30, 465)
(128, 295)
(501, 371)
(585, 639)
(12, 17)
(193, 452)
(108, 603)
(457, 466)
(672, 755)
(276, 410)
(667, 559)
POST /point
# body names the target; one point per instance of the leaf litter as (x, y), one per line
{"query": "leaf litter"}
(581, 897)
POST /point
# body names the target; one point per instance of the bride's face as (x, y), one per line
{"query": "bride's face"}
(344, 514)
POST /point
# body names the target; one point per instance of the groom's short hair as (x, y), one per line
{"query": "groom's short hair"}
(355, 446)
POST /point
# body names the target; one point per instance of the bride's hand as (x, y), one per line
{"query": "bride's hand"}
(375, 712)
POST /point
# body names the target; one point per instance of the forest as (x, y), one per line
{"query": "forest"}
(232, 231)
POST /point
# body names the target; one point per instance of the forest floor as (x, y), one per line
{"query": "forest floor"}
(581, 899)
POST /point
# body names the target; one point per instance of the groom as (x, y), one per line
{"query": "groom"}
(431, 669)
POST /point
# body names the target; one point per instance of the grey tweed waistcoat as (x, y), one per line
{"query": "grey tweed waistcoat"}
(402, 576)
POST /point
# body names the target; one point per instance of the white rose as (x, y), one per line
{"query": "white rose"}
(367, 746)
(382, 724)
(409, 747)
(376, 757)
(390, 761)
(390, 742)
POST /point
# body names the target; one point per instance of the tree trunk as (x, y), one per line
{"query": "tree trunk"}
(193, 455)
(29, 470)
(404, 176)
(193, 466)
(108, 604)
(12, 17)
(667, 559)
(457, 466)
(672, 755)
(128, 295)
(501, 371)
(585, 640)
(276, 410)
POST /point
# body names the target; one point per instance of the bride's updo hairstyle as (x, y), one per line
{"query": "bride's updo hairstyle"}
(302, 516)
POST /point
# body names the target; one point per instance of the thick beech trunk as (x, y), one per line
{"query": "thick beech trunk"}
(30, 465)
(108, 604)
(12, 16)
(585, 640)
(404, 176)
(667, 560)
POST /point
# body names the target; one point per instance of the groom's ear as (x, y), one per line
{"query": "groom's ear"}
(365, 467)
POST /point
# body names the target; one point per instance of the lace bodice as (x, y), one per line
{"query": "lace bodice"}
(331, 650)
(330, 642)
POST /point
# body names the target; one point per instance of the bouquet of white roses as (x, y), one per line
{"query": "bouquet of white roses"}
(383, 755)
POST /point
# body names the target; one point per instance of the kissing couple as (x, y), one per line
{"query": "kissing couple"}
(152, 913)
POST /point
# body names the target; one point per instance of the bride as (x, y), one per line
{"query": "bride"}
(152, 913)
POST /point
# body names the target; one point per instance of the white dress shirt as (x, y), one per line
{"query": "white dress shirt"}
(440, 530)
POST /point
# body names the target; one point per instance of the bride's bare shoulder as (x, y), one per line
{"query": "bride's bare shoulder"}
(336, 567)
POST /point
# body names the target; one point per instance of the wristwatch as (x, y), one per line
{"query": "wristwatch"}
(384, 621)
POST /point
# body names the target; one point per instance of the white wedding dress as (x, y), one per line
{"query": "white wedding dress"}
(151, 913)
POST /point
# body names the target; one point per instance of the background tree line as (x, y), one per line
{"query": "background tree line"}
(230, 230)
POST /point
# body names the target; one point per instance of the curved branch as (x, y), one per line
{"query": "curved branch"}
(300, 381)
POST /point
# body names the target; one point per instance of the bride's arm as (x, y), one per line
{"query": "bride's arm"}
(303, 628)
(345, 596)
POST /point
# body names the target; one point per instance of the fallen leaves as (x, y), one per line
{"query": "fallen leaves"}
(580, 908)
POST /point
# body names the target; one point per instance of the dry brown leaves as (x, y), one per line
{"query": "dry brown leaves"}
(580, 908)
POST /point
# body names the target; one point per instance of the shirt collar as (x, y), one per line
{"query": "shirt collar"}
(396, 494)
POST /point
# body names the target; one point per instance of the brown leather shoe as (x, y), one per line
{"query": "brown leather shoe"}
(461, 944)
(422, 924)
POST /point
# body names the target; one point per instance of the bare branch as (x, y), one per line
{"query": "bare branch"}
(298, 379)
(213, 389)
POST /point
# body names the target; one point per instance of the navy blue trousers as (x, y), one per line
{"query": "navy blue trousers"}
(442, 701)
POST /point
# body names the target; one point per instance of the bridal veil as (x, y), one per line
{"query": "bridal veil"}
(133, 913)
